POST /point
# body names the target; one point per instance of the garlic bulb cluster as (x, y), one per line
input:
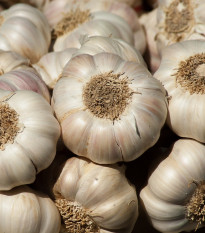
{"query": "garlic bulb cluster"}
(109, 109)
(92, 197)
(51, 65)
(25, 30)
(29, 134)
(174, 196)
(182, 74)
(179, 21)
(152, 55)
(78, 23)
(24, 210)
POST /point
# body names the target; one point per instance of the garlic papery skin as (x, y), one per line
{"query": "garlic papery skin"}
(24, 210)
(25, 30)
(29, 134)
(179, 20)
(51, 65)
(100, 196)
(182, 74)
(24, 79)
(109, 109)
(174, 195)
(79, 23)
(152, 55)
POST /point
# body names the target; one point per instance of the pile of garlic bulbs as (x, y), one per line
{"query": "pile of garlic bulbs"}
(101, 107)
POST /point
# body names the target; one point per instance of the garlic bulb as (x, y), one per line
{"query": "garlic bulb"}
(24, 210)
(24, 79)
(25, 30)
(79, 23)
(110, 110)
(152, 55)
(29, 134)
(55, 10)
(16, 74)
(182, 74)
(180, 20)
(51, 65)
(174, 195)
(91, 197)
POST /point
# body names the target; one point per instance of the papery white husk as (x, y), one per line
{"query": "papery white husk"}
(24, 210)
(185, 110)
(170, 186)
(99, 139)
(152, 56)
(195, 32)
(103, 191)
(25, 30)
(34, 146)
(51, 65)
(101, 23)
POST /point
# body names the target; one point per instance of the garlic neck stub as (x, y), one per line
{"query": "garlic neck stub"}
(195, 208)
(9, 124)
(106, 95)
(75, 217)
(191, 74)
(70, 21)
(179, 19)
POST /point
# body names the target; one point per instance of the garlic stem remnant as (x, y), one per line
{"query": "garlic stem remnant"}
(75, 217)
(195, 208)
(190, 74)
(179, 19)
(107, 95)
(8, 124)
(70, 21)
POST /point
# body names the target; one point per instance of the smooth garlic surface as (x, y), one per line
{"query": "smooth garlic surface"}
(25, 30)
(175, 193)
(79, 23)
(182, 72)
(51, 65)
(179, 20)
(24, 210)
(29, 134)
(94, 198)
(109, 109)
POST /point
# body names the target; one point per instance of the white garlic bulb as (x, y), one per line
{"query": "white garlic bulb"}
(174, 195)
(182, 74)
(110, 110)
(29, 134)
(51, 65)
(93, 198)
(16, 73)
(55, 10)
(152, 55)
(25, 30)
(179, 20)
(24, 79)
(79, 23)
(24, 210)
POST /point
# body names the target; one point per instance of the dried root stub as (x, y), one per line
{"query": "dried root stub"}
(8, 124)
(195, 208)
(75, 217)
(70, 21)
(107, 95)
(179, 19)
(190, 74)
